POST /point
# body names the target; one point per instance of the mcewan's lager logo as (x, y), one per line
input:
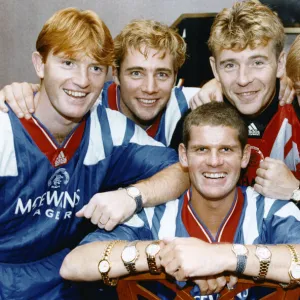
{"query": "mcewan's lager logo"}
(55, 203)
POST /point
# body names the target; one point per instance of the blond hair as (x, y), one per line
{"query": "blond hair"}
(293, 60)
(247, 23)
(150, 34)
(75, 32)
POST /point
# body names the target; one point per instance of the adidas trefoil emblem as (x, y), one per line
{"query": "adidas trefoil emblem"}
(252, 130)
(61, 159)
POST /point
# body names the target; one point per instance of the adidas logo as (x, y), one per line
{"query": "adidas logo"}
(252, 130)
(60, 160)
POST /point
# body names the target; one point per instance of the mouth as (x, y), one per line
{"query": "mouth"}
(147, 101)
(75, 94)
(214, 175)
(247, 95)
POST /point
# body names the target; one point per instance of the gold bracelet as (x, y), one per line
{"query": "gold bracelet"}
(104, 265)
(294, 270)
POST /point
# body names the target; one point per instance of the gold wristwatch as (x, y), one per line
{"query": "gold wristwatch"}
(129, 256)
(264, 256)
(151, 251)
(294, 270)
(104, 265)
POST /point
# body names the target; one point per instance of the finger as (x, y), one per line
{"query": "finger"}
(283, 87)
(291, 97)
(221, 282)
(80, 213)
(232, 282)
(260, 181)
(102, 221)
(10, 99)
(18, 90)
(285, 96)
(3, 106)
(258, 188)
(28, 93)
(218, 96)
(203, 286)
(111, 224)
(260, 172)
(89, 210)
(212, 285)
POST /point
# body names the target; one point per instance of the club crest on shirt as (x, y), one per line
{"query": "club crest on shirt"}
(59, 177)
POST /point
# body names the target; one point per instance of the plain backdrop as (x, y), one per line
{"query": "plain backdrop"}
(22, 20)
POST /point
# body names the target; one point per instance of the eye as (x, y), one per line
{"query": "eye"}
(226, 149)
(135, 74)
(258, 63)
(201, 149)
(229, 66)
(97, 69)
(162, 75)
(67, 63)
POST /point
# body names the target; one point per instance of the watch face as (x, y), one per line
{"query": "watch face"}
(240, 249)
(263, 252)
(133, 191)
(129, 254)
(153, 249)
(295, 271)
(104, 266)
(296, 195)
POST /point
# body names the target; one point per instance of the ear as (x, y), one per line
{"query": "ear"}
(212, 62)
(38, 64)
(115, 75)
(281, 65)
(182, 155)
(246, 156)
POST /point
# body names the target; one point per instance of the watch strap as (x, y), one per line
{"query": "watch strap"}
(263, 266)
(130, 266)
(138, 199)
(153, 269)
(104, 275)
(294, 260)
(241, 261)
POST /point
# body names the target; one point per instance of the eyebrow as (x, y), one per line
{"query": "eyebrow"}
(138, 68)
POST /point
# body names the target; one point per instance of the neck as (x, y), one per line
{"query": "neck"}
(58, 125)
(212, 211)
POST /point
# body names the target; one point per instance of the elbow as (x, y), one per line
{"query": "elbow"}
(68, 268)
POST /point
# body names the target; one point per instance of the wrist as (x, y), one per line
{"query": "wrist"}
(227, 259)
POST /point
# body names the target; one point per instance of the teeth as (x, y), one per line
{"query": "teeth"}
(214, 175)
(247, 93)
(147, 101)
(75, 94)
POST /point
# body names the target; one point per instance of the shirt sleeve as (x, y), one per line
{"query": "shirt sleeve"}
(135, 155)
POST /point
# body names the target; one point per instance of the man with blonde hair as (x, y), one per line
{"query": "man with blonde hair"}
(247, 42)
(71, 150)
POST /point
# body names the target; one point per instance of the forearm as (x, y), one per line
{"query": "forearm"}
(278, 268)
(81, 264)
(166, 185)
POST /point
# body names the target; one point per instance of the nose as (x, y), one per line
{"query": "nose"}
(81, 78)
(244, 76)
(214, 159)
(149, 85)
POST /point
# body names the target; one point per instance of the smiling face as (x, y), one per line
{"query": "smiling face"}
(145, 84)
(248, 77)
(70, 86)
(214, 158)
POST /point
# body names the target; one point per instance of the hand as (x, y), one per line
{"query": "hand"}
(211, 285)
(211, 91)
(275, 180)
(190, 257)
(20, 98)
(286, 92)
(108, 209)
